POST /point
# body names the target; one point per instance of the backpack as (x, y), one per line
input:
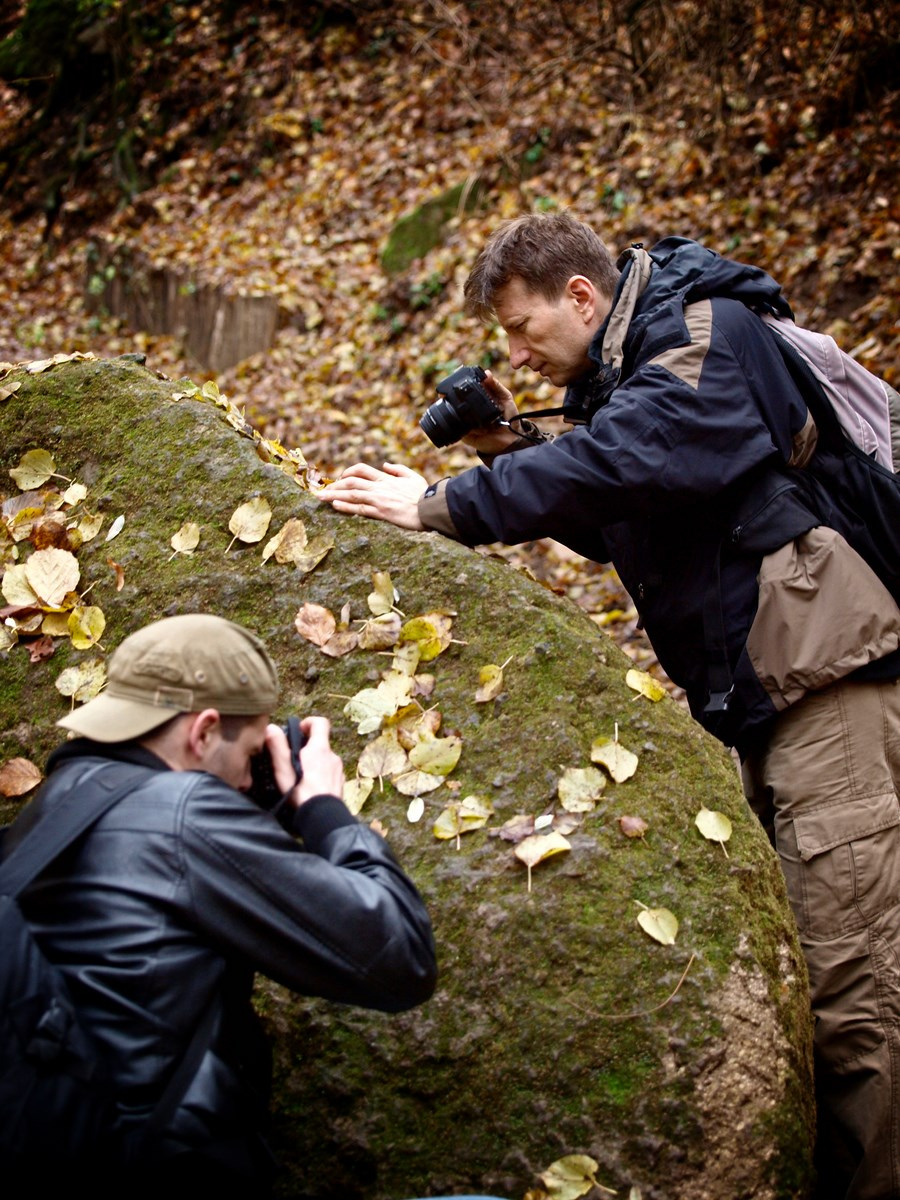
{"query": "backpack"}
(850, 483)
(57, 1110)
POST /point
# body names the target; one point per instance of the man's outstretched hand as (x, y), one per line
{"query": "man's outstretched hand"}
(389, 495)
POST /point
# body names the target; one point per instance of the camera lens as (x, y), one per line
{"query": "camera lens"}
(441, 424)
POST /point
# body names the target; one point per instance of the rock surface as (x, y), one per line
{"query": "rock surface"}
(559, 1026)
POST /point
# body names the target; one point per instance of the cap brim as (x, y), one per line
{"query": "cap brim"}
(111, 719)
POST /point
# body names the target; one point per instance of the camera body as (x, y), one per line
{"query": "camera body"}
(264, 791)
(464, 405)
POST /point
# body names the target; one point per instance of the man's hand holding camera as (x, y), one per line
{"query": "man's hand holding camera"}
(322, 772)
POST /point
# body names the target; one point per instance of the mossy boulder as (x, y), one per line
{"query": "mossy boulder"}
(558, 1026)
(424, 228)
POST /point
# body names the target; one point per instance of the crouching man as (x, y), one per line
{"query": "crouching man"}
(161, 913)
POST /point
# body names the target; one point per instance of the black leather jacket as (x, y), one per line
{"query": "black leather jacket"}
(183, 890)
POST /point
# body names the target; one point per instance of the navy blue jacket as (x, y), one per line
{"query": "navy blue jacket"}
(678, 477)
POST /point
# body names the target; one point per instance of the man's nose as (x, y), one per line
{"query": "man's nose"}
(518, 355)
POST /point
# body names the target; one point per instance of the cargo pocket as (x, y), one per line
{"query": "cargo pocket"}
(849, 864)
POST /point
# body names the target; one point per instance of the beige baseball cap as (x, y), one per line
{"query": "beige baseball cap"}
(180, 664)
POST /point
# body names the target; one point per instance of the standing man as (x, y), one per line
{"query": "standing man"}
(159, 916)
(785, 641)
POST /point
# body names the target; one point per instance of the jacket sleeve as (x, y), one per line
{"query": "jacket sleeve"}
(337, 919)
(685, 425)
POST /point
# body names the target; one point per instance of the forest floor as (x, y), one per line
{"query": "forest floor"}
(271, 154)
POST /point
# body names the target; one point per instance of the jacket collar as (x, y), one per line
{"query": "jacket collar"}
(129, 752)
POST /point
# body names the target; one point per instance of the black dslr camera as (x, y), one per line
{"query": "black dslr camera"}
(464, 405)
(263, 788)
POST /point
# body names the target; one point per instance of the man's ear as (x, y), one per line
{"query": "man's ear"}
(583, 294)
(200, 735)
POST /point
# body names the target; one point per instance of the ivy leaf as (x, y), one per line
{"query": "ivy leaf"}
(249, 521)
(35, 468)
(540, 846)
(659, 923)
(714, 825)
(644, 683)
(18, 776)
(579, 788)
(620, 763)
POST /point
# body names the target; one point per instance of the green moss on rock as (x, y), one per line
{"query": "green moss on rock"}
(558, 1025)
(423, 229)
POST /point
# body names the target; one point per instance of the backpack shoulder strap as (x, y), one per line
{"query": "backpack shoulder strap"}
(72, 817)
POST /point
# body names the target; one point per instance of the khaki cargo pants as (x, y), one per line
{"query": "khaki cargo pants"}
(829, 783)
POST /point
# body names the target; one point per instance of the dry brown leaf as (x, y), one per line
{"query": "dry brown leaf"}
(381, 599)
(249, 521)
(18, 776)
(540, 846)
(41, 648)
(309, 558)
(315, 623)
(288, 544)
(633, 827)
(84, 681)
(341, 643)
(120, 573)
(490, 683)
(186, 539)
(644, 683)
(620, 763)
(380, 633)
(51, 574)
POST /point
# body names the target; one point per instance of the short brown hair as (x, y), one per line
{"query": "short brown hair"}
(544, 250)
